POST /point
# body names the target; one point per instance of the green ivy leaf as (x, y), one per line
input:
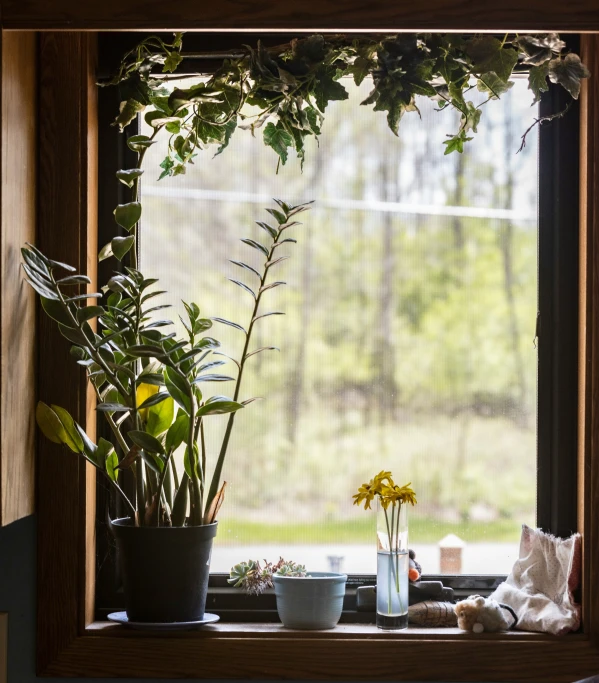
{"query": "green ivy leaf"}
(278, 139)
(167, 165)
(493, 85)
(327, 89)
(537, 80)
(360, 69)
(489, 54)
(173, 127)
(229, 129)
(127, 215)
(128, 110)
(470, 122)
(172, 62)
(568, 72)
(456, 143)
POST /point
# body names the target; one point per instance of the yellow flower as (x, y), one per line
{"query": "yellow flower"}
(401, 494)
(374, 487)
(365, 494)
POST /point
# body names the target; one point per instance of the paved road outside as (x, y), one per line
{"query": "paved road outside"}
(477, 558)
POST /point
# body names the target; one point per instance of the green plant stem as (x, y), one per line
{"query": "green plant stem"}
(225, 443)
(161, 484)
(90, 348)
(197, 514)
(203, 444)
(135, 195)
(112, 424)
(393, 570)
(120, 491)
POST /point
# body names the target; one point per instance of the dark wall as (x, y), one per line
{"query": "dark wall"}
(17, 597)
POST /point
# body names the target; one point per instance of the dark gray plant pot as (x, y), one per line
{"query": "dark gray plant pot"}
(165, 570)
(311, 602)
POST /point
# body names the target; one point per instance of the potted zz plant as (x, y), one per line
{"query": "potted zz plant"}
(305, 600)
(148, 387)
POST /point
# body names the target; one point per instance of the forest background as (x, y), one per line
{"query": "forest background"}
(408, 340)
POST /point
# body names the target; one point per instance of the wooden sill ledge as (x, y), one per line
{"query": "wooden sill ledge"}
(267, 631)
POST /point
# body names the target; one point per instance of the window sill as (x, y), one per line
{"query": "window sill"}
(268, 631)
(349, 652)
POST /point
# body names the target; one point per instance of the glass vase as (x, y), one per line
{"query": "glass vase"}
(393, 564)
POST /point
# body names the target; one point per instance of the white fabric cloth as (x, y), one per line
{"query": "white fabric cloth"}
(541, 585)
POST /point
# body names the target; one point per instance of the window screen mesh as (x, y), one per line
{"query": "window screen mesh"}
(408, 339)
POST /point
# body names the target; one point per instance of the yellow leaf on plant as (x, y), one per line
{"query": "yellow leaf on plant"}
(144, 391)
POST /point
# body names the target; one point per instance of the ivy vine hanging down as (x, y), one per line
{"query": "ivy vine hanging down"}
(291, 85)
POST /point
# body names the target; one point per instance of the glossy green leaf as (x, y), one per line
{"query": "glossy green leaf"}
(160, 416)
(177, 433)
(246, 267)
(127, 215)
(219, 405)
(180, 503)
(129, 176)
(243, 286)
(89, 447)
(146, 441)
(107, 458)
(88, 312)
(72, 440)
(49, 423)
(121, 246)
(137, 143)
(222, 321)
(57, 311)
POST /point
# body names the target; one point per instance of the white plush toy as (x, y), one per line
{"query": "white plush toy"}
(478, 614)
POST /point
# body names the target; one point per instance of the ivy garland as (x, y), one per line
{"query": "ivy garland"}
(292, 84)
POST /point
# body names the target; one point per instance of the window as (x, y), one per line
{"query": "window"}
(73, 645)
(409, 341)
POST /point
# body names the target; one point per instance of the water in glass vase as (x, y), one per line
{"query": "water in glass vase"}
(392, 590)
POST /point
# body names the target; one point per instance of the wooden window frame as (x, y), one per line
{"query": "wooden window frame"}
(69, 643)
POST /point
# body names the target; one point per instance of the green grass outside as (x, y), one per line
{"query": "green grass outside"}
(421, 530)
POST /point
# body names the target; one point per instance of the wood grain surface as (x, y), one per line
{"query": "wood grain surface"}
(18, 201)
(309, 15)
(319, 657)
(63, 235)
(589, 337)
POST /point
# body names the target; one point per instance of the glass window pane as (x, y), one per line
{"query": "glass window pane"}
(407, 344)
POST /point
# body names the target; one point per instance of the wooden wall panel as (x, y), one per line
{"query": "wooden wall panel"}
(309, 15)
(18, 200)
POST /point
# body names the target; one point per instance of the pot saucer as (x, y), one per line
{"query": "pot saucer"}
(121, 618)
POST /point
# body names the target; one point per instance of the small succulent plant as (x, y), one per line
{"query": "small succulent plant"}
(255, 578)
